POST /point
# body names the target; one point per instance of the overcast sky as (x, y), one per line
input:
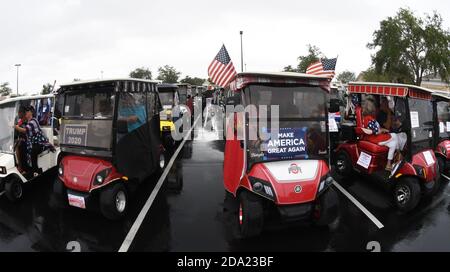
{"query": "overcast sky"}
(66, 39)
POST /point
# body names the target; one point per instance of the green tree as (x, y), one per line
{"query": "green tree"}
(46, 88)
(5, 90)
(346, 77)
(196, 81)
(314, 55)
(142, 73)
(289, 68)
(409, 47)
(370, 75)
(168, 74)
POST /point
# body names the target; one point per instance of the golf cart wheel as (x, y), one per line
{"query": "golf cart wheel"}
(60, 192)
(250, 215)
(168, 141)
(442, 163)
(13, 189)
(114, 201)
(343, 164)
(437, 182)
(327, 208)
(407, 194)
(162, 161)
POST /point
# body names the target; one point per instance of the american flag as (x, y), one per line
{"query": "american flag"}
(323, 67)
(221, 70)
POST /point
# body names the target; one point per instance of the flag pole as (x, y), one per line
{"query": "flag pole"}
(242, 52)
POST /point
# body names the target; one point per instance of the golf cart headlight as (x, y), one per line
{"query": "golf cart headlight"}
(262, 188)
(258, 187)
(60, 170)
(99, 179)
(2, 170)
(101, 176)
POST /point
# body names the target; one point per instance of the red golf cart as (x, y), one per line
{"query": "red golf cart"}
(282, 173)
(110, 142)
(415, 171)
(442, 134)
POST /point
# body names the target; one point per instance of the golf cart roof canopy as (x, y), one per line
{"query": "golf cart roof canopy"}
(183, 84)
(441, 96)
(241, 80)
(25, 98)
(390, 89)
(167, 86)
(120, 85)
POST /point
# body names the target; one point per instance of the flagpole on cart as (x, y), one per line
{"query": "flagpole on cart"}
(242, 52)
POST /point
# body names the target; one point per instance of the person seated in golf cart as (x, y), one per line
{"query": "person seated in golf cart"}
(376, 134)
(385, 116)
(20, 142)
(36, 142)
(132, 111)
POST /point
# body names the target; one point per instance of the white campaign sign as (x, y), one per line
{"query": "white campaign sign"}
(332, 125)
(442, 127)
(428, 158)
(364, 160)
(414, 119)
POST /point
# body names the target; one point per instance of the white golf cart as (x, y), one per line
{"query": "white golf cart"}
(11, 179)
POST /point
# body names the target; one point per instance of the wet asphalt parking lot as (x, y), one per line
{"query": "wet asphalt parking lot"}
(188, 215)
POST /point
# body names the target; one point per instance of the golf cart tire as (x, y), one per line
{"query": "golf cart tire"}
(252, 215)
(412, 184)
(442, 165)
(329, 208)
(14, 189)
(108, 205)
(437, 182)
(347, 168)
(60, 193)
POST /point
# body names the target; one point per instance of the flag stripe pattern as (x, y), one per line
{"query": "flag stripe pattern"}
(221, 70)
(323, 67)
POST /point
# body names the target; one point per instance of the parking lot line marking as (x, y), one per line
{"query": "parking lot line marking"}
(447, 178)
(138, 222)
(359, 205)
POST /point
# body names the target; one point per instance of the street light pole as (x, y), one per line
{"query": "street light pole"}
(17, 65)
(242, 53)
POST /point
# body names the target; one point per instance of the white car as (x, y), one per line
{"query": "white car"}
(11, 180)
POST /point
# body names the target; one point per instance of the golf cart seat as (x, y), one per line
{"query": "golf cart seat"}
(362, 144)
(372, 147)
(359, 122)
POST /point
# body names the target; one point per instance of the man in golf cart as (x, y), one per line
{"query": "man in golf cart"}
(36, 141)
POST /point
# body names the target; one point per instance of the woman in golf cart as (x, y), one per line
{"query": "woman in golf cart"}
(36, 142)
(380, 135)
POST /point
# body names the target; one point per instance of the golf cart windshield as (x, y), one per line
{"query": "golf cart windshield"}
(421, 114)
(183, 95)
(7, 118)
(443, 115)
(302, 123)
(167, 98)
(88, 118)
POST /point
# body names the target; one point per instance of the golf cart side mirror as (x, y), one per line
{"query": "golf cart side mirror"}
(122, 126)
(334, 105)
(234, 100)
